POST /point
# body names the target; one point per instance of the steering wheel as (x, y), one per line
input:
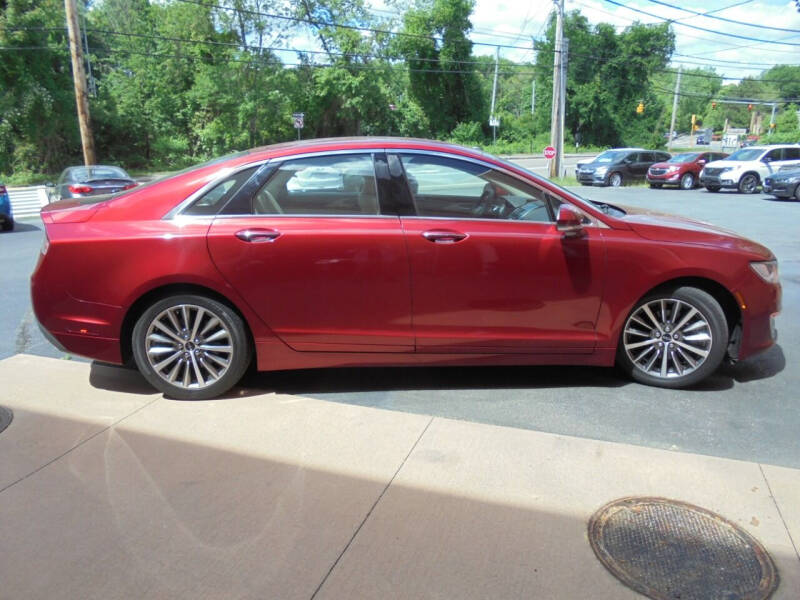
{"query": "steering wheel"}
(265, 204)
(486, 202)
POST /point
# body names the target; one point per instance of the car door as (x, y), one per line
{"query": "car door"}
(313, 255)
(642, 162)
(499, 279)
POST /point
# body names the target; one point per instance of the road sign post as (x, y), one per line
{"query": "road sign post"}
(298, 119)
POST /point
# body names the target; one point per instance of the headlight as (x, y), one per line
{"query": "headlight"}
(601, 170)
(672, 169)
(726, 169)
(767, 270)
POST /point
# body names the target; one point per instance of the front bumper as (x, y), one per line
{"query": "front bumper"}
(666, 178)
(591, 178)
(719, 181)
(782, 189)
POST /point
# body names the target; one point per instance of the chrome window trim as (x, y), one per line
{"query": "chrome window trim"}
(305, 216)
(222, 174)
(594, 221)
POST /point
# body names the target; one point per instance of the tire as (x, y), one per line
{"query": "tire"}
(656, 186)
(196, 370)
(713, 188)
(696, 352)
(615, 179)
(8, 225)
(748, 184)
(687, 181)
(797, 192)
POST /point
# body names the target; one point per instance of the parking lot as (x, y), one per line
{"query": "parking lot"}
(748, 411)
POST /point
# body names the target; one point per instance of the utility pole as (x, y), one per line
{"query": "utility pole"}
(563, 106)
(492, 120)
(79, 79)
(674, 109)
(556, 133)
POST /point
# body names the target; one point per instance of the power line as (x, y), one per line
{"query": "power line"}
(342, 25)
(710, 16)
(711, 97)
(733, 35)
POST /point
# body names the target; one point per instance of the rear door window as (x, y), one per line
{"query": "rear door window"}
(320, 185)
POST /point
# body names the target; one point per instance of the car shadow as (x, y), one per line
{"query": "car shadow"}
(352, 380)
(784, 200)
(22, 227)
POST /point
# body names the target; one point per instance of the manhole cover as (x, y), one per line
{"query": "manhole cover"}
(6, 416)
(671, 550)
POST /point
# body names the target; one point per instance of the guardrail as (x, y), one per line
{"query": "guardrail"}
(27, 201)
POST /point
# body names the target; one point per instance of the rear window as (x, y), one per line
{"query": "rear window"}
(85, 174)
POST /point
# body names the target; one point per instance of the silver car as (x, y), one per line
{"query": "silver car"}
(94, 180)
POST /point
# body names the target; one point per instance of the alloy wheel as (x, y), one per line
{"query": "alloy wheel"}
(188, 346)
(667, 338)
(748, 184)
(615, 180)
(687, 181)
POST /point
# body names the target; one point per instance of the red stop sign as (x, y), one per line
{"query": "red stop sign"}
(549, 152)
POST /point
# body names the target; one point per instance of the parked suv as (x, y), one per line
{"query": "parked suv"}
(682, 170)
(618, 165)
(746, 168)
(6, 218)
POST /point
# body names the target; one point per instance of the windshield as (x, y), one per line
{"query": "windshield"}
(745, 154)
(609, 156)
(684, 158)
(84, 174)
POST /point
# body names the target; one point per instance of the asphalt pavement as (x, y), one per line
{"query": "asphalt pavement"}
(749, 411)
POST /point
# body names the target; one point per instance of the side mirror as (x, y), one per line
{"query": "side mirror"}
(569, 221)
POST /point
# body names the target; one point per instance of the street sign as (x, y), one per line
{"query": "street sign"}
(298, 120)
(494, 121)
(549, 153)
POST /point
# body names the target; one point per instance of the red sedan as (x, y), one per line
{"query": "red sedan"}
(348, 252)
(682, 170)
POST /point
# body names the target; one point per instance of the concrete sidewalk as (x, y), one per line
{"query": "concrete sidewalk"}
(108, 490)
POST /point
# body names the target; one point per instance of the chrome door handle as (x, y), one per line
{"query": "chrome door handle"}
(442, 236)
(258, 235)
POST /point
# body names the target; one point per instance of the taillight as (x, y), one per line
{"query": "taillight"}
(80, 189)
(130, 185)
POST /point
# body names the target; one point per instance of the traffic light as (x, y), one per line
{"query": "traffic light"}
(713, 106)
(640, 108)
(749, 107)
(694, 120)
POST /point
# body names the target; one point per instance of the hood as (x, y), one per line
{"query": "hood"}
(663, 227)
(665, 165)
(785, 175)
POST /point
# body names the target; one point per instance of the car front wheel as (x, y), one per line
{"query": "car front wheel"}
(748, 184)
(615, 180)
(673, 339)
(687, 181)
(797, 193)
(191, 347)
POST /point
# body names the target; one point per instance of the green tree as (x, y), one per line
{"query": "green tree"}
(442, 76)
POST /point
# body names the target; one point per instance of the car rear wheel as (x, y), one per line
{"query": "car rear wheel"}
(748, 184)
(191, 347)
(687, 181)
(673, 339)
(8, 225)
(615, 180)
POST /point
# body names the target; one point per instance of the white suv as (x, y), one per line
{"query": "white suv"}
(746, 168)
